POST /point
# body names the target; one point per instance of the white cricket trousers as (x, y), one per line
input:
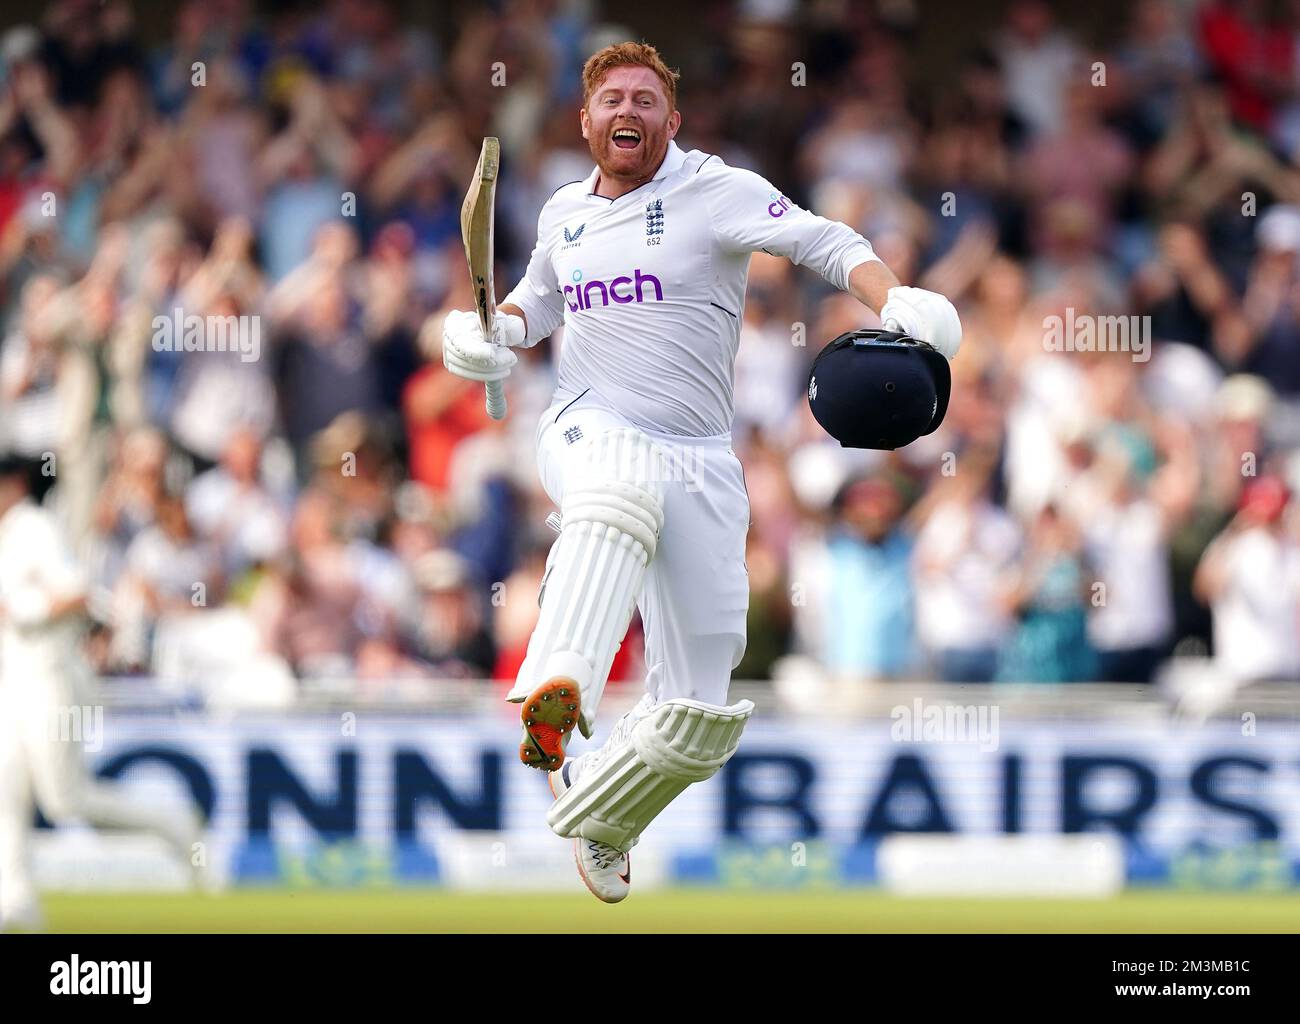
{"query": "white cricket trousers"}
(696, 592)
(41, 761)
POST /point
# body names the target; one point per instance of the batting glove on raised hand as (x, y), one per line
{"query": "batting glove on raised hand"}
(466, 354)
(925, 316)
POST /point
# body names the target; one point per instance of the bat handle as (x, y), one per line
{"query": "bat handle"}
(496, 399)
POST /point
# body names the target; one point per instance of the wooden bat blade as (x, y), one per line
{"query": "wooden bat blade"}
(476, 227)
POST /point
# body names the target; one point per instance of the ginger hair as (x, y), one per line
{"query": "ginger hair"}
(602, 62)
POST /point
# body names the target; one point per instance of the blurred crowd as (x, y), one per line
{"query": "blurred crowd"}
(338, 513)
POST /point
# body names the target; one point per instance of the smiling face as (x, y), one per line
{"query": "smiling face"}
(628, 123)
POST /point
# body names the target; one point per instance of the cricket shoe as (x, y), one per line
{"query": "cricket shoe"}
(549, 715)
(604, 870)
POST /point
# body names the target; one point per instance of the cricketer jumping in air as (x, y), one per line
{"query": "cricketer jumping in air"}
(645, 263)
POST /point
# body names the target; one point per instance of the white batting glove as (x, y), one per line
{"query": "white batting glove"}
(467, 355)
(925, 316)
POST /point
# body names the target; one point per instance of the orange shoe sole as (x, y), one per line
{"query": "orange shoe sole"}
(549, 716)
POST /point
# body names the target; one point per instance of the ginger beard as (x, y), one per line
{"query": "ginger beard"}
(627, 125)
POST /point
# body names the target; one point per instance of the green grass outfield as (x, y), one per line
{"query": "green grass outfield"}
(679, 910)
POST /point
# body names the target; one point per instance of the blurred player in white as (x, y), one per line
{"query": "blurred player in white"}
(645, 263)
(46, 704)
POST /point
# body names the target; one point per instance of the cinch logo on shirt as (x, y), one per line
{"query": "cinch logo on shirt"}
(778, 205)
(622, 290)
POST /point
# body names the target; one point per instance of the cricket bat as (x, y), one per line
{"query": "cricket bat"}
(476, 231)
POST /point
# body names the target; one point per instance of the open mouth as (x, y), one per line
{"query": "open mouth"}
(626, 138)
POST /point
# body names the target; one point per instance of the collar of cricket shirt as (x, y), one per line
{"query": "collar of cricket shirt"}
(672, 161)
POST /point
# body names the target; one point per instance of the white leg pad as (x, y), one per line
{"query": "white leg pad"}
(680, 742)
(611, 518)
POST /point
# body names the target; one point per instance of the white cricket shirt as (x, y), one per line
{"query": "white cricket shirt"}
(36, 568)
(650, 286)
(1257, 617)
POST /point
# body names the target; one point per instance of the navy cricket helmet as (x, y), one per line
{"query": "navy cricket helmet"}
(879, 389)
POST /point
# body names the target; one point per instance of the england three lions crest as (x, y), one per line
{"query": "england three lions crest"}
(654, 218)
